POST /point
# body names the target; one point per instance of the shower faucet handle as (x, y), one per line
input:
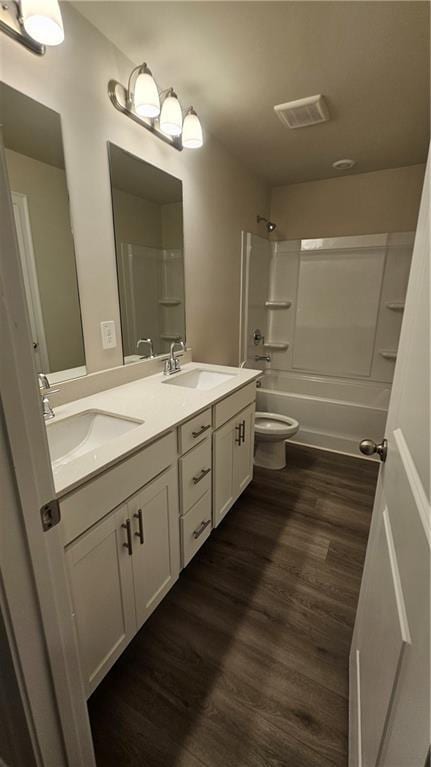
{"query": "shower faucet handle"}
(258, 338)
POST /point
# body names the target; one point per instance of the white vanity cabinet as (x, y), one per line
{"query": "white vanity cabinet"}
(129, 529)
(232, 461)
(101, 587)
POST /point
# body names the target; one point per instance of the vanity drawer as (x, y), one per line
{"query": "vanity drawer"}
(195, 528)
(195, 430)
(83, 507)
(230, 406)
(195, 473)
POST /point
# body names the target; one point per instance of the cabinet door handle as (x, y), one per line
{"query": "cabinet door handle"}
(238, 436)
(243, 430)
(140, 533)
(200, 476)
(199, 530)
(128, 529)
(200, 431)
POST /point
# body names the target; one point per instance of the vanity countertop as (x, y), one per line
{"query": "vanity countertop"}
(160, 406)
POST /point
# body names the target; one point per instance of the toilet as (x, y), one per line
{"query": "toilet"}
(271, 431)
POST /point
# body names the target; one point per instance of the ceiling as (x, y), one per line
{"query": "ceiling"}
(30, 128)
(234, 60)
(132, 175)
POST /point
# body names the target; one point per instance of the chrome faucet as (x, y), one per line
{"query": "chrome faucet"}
(44, 390)
(172, 364)
(150, 344)
(263, 358)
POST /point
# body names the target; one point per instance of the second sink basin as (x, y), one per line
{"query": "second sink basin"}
(199, 379)
(81, 433)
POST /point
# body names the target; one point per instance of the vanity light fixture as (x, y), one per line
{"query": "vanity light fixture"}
(159, 111)
(33, 23)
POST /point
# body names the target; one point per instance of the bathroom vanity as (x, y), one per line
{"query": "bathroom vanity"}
(140, 494)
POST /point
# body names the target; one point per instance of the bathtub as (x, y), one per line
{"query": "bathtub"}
(334, 413)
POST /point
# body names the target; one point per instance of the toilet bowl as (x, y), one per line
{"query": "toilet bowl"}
(271, 431)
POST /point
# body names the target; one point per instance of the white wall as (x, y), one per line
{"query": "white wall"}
(364, 203)
(220, 196)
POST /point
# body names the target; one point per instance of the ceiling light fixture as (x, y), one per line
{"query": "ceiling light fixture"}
(33, 23)
(345, 164)
(159, 111)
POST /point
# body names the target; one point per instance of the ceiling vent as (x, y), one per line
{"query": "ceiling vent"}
(303, 112)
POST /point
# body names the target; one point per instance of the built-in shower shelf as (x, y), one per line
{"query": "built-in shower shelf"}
(277, 304)
(388, 354)
(170, 336)
(395, 306)
(277, 346)
(166, 301)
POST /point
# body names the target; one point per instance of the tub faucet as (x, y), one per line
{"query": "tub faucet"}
(44, 390)
(150, 344)
(172, 364)
(263, 358)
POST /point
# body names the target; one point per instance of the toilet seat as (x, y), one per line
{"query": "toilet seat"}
(270, 426)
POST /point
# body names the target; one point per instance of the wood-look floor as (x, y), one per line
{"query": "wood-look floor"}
(245, 663)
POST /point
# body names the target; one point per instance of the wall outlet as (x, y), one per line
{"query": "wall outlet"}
(107, 331)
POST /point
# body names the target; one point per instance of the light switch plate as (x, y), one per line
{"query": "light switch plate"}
(109, 338)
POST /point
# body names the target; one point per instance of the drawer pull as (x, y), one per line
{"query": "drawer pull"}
(128, 544)
(201, 431)
(199, 530)
(140, 533)
(200, 476)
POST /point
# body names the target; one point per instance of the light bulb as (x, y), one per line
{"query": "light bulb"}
(146, 96)
(192, 131)
(42, 21)
(171, 117)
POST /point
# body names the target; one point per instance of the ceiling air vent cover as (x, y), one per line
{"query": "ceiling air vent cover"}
(303, 112)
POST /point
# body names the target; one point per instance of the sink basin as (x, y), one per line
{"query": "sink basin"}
(199, 379)
(81, 433)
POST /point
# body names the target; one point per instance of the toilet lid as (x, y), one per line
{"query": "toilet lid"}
(273, 422)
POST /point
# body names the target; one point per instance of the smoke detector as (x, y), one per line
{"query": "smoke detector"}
(345, 164)
(303, 112)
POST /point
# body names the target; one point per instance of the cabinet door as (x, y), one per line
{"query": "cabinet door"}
(243, 454)
(156, 545)
(101, 584)
(224, 476)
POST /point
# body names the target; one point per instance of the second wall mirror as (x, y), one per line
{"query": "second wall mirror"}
(147, 207)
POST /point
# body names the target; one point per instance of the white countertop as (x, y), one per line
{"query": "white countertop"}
(152, 400)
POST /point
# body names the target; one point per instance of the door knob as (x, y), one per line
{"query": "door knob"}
(369, 447)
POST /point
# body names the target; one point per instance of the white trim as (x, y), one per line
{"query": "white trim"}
(31, 282)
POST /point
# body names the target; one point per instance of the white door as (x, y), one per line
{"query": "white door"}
(101, 584)
(39, 623)
(244, 452)
(31, 284)
(156, 544)
(390, 654)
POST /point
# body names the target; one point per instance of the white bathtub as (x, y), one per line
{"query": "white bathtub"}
(334, 414)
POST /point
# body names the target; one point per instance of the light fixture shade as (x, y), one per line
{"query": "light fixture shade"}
(146, 96)
(42, 21)
(192, 131)
(171, 117)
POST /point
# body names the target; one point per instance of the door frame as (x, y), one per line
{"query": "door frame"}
(33, 574)
(31, 282)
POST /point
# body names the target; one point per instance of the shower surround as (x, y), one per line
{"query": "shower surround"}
(330, 313)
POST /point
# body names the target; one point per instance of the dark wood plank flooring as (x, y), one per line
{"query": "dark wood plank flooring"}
(245, 663)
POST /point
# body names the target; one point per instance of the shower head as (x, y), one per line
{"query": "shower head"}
(269, 225)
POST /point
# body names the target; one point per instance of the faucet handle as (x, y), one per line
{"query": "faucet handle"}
(44, 384)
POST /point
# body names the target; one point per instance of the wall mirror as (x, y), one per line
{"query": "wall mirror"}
(147, 207)
(37, 179)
